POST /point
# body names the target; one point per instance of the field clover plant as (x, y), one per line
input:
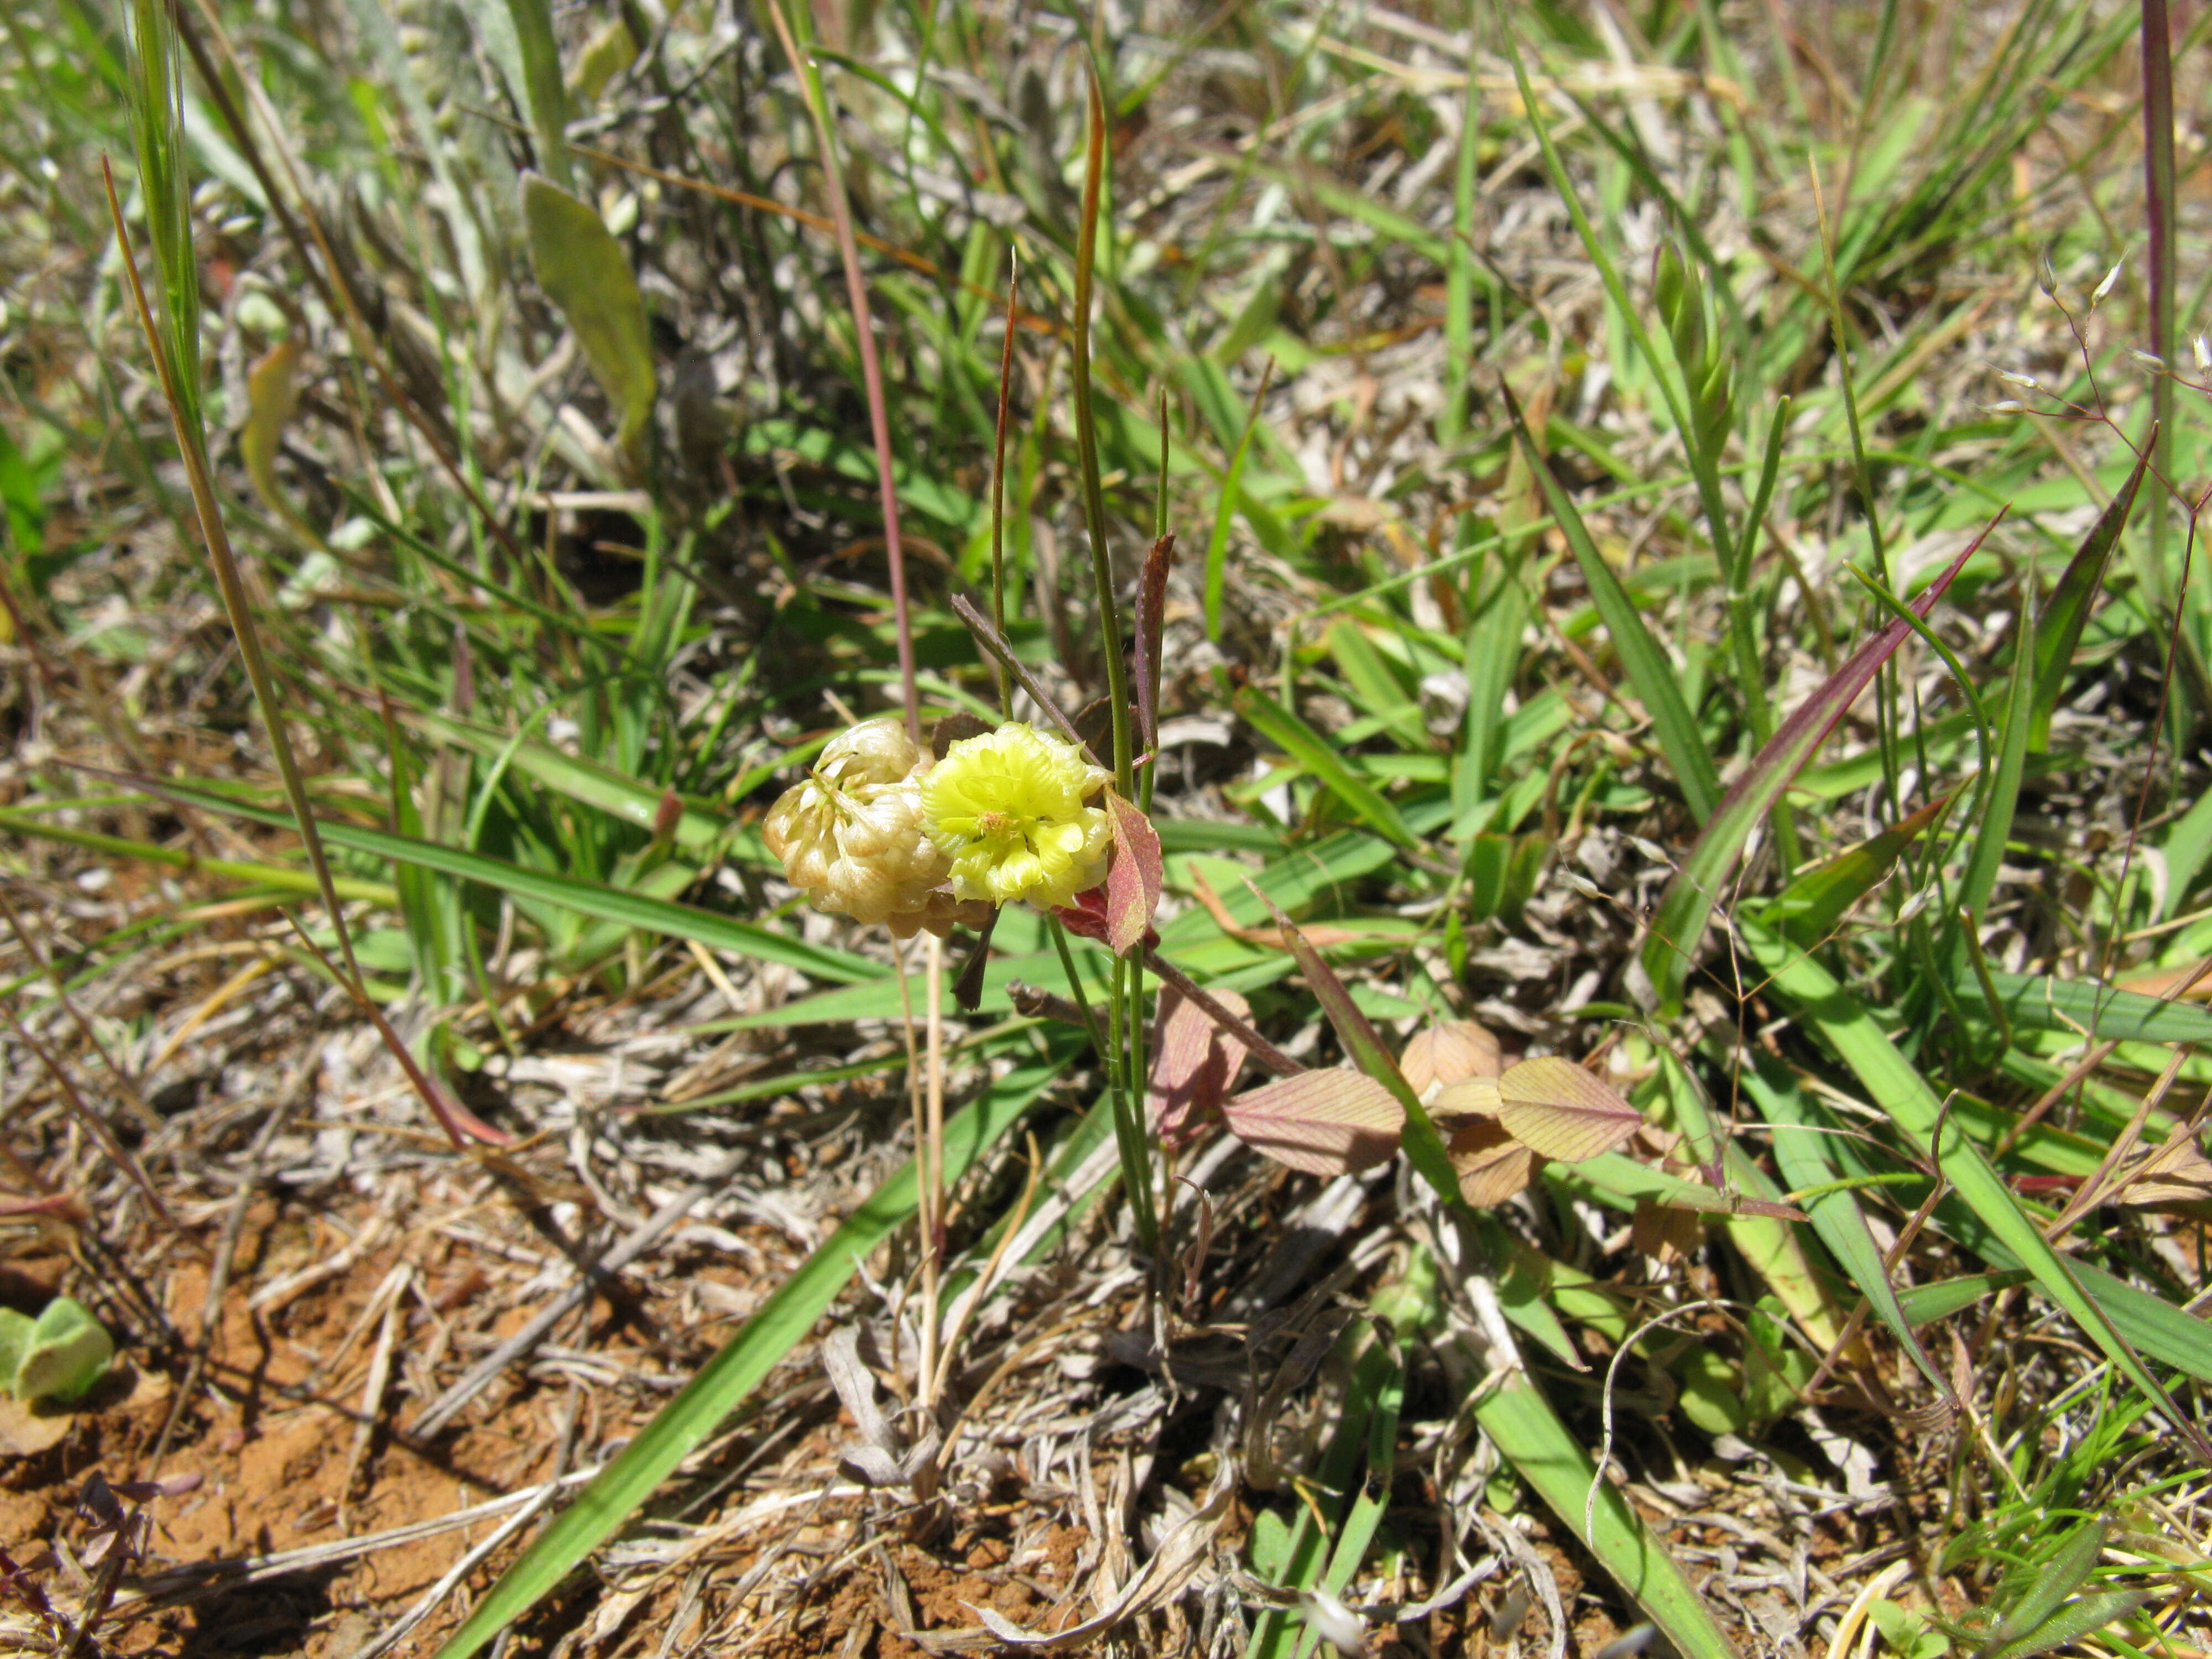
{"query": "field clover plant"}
(879, 832)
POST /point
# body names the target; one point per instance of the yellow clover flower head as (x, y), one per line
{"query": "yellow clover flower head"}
(1007, 809)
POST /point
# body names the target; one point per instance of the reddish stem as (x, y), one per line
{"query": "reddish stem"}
(871, 377)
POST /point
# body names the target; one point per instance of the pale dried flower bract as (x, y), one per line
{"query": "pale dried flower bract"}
(851, 835)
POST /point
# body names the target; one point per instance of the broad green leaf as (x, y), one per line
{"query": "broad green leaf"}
(1688, 902)
(1312, 751)
(15, 1338)
(1327, 1123)
(780, 1325)
(606, 52)
(585, 272)
(68, 1352)
(2074, 1621)
(2069, 1565)
(2059, 630)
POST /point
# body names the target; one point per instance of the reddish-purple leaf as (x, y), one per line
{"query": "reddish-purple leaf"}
(666, 816)
(1437, 1056)
(1195, 1062)
(1470, 1096)
(1151, 625)
(1664, 1233)
(1424, 1145)
(1492, 1166)
(1132, 880)
(1556, 1108)
(1688, 902)
(1327, 1123)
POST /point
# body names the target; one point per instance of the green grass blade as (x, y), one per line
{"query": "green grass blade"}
(2058, 632)
(1688, 902)
(1651, 673)
(760, 1344)
(1312, 751)
(25, 821)
(1546, 1454)
(542, 88)
(2036, 1002)
(578, 777)
(1217, 544)
(1899, 1090)
(1995, 829)
(1277, 1633)
(587, 898)
(1801, 1155)
(1815, 904)
(1769, 1245)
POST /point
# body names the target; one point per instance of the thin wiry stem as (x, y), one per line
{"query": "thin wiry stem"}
(191, 446)
(2158, 214)
(999, 482)
(871, 374)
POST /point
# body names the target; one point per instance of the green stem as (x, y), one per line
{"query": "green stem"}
(1086, 441)
(1129, 1135)
(1123, 1009)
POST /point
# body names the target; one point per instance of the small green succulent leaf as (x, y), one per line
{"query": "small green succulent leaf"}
(2074, 1621)
(1907, 1633)
(14, 1337)
(69, 1351)
(2066, 1571)
(1712, 1393)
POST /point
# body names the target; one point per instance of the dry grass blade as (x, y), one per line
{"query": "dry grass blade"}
(192, 447)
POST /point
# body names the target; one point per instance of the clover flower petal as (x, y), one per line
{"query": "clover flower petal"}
(1007, 809)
